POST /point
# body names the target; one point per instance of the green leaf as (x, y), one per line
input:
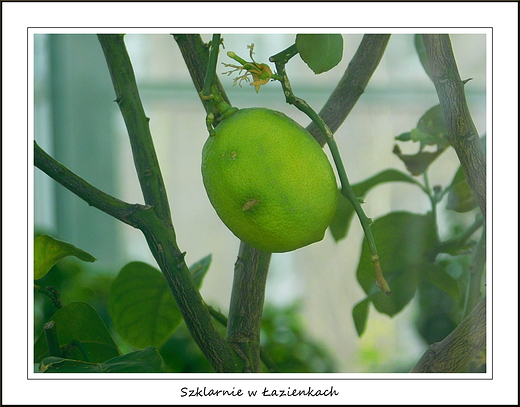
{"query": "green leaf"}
(341, 221)
(407, 136)
(426, 138)
(345, 211)
(141, 304)
(142, 307)
(321, 52)
(417, 163)
(48, 251)
(142, 361)
(433, 124)
(431, 130)
(460, 195)
(79, 321)
(360, 315)
(421, 51)
(199, 269)
(403, 242)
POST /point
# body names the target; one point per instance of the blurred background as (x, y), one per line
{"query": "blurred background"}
(77, 122)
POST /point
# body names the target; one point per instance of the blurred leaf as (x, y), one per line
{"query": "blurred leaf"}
(142, 361)
(437, 275)
(79, 321)
(403, 242)
(182, 355)
(460, 195)
(421, 52)
(199, 269)
(439, 313)
(288, 344)
(48, 251)
(341, 222)
(433, 124)
(147, 360)
(431, 130)
(407, 136)
(427, 138)
(345, 211)
(360, 315)
(417, 163)
(321, 52)
(142, 307)
(141, 304)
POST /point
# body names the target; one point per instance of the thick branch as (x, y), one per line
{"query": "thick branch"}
(247, 301)
(463, 134)
(352, 84)
(459, 348)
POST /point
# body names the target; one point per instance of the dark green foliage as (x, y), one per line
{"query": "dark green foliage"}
(285, 341)
(439, 313)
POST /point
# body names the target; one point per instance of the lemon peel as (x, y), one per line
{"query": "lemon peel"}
(269, 181)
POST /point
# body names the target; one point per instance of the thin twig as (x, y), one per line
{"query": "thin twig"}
(120, 210)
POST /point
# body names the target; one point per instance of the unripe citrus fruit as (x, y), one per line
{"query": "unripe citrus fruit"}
(269, 180)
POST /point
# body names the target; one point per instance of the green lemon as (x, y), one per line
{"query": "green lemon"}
(269, 180)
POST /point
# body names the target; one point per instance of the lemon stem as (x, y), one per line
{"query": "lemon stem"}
(210, 94)
(209, 78)
(280, 61)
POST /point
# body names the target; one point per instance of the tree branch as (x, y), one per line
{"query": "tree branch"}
(137, 124)
(246, 305)
(459, 348)
(120, 210)
(352, 84)
(462, 132)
